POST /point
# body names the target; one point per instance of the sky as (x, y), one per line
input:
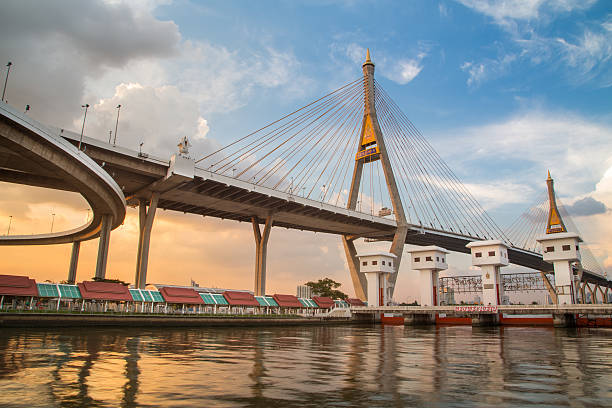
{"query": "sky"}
(504, 90)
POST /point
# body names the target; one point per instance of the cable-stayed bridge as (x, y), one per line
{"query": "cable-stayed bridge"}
(349, 163)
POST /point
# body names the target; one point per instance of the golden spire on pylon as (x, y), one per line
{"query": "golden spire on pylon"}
(555, 223)
(368, 61)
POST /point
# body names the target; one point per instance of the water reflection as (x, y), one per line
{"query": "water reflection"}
(306, 367)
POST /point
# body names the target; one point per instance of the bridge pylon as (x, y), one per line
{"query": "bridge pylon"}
(561, 248)
(370, 148)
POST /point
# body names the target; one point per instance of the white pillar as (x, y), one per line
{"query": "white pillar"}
(561, 249)
(490, 256)
(377, 267)
(428, 261)
(429, 287)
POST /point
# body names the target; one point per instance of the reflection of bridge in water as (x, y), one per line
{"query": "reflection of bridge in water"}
(359, 366)
(325, 167)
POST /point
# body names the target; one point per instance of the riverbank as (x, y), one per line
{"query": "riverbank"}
(50, 320)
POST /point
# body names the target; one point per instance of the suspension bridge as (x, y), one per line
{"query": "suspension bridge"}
(350, 163)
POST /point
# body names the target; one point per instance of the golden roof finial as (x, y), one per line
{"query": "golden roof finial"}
(549, 178)
(368, 56)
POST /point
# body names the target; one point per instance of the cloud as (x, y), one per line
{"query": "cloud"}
(585, 55)
(586, 206)
(157, 116)
(399, 69)
(575, 149)
(487, 69)
(505, 12)
(56, 46)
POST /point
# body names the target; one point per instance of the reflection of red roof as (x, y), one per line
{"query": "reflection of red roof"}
(323, 302)
(355, 302)
(287, 301)
(187, 296)
(240, 298)
(17, 286)
(104, 291)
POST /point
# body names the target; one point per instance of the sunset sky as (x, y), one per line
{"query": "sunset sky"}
(503, 89)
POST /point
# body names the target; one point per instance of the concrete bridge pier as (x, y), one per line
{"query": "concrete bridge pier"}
(485, 320)
(107, 224)
(425, 319)
(564, 320)
(74, 260)
(145, 221)
(261, 251)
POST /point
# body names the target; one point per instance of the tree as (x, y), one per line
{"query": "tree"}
(98, 279)
(327, 287)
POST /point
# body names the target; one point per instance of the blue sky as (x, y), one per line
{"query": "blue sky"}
(503, 89)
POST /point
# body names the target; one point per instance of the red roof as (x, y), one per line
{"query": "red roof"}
(323, 302)
(17, 286)
(187, 296)
(287, 301)
(104, 291)
(240, 298)
(355, 302)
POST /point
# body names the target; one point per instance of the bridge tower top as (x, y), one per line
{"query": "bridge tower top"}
(555, 222)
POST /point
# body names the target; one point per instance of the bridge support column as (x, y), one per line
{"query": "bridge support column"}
(564, 320)
(420, 319)
(490, 256)
(261, 250)
(145, 221)
(485, 320)
(428, 262)
(359, 280)
(74, 260)
(551, 290)
(107, 223)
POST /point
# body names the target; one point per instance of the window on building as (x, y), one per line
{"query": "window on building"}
(383, 262)
(390, 264)
(417, 259)
(566, 247)
(374, 262)
(491, 253)
(437, 259)
(443, 260)
(577, 248)
(550, 249)
(478, 254)
(428, 258)
(365, 263)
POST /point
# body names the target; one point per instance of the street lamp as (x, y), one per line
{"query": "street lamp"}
(8, 66)
(86, 106)
(8, 231)
(116, 125)
(52, 221)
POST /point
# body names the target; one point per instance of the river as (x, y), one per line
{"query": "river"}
(342, 366)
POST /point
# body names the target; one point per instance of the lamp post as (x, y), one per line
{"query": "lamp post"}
(52, 221)
(116, 125)
(8, 66)
(86, 106)
(110, 134)
(8, 231)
